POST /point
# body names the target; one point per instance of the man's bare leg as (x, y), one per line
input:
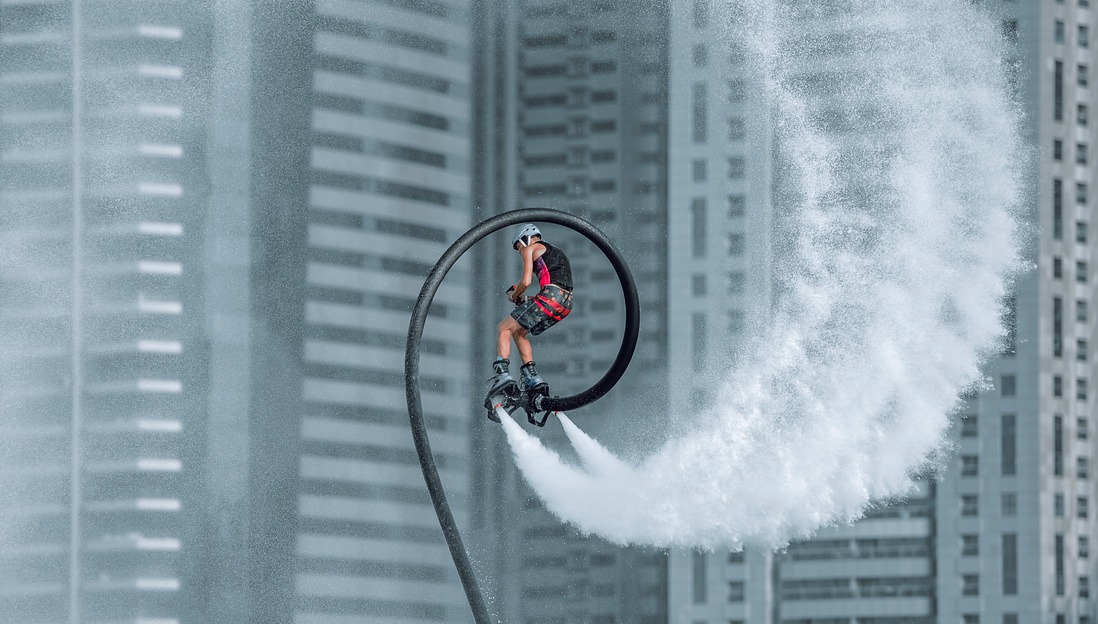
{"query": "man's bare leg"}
(507, 329)
(526, 351)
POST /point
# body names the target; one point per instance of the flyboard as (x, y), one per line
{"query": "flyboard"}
(537, 402)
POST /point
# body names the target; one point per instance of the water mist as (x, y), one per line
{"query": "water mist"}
(901, 170)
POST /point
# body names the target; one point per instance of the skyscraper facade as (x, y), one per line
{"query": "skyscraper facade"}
(101, 333)
(575, 116)
(1015, 520)
(390, 121)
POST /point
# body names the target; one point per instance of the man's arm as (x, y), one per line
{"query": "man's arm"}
(527, 269)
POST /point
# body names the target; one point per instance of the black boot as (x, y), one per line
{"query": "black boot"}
(502, 383)
(532, 381)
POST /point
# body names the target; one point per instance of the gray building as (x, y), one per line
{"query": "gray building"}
(217, 217)
(572, 102)
(357, 134)
(101, 334)
(1015, 520)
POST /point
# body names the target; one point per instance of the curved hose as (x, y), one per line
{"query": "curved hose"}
(588, 396)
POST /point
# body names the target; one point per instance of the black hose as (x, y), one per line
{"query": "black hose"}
(588, 396)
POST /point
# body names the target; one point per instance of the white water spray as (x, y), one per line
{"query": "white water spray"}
(903, 153)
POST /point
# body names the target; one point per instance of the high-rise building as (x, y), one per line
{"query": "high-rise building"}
(1015, 522)
(573, 105)
(100, 375)
(358, 130)
(217, 217)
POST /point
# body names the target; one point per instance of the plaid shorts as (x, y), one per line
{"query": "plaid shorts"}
(543, 310)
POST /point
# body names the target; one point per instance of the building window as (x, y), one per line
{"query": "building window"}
(701, 13)
(1058, 550)
(1058, 445)
(1058, 90)
(1081, 311)
(1057, 150)
(1010, 564)
(1010, 618)
(735, 591)
(1081, 389)
(1081, 153)
(699, 331)
(1058, 505)
(1082, 469)
(1084, 586)
(1081, 272)
(735, 282)
(1084, 547)
(737, 130)
(701, 55)
(1058, 31)
(1057, 386)
(970, 426)
(737, 91)
(1081, 350)
(1081, 428)
(1080, 193)
(699, 577)
(736, 168)
(701, 113)
(737, 321)
(1008, 442)
(1010, 321)
(1081, 119)
(969, 505)
(1081, 232)
(1057, 327)
(970, 618)
(1057, 267)
(970, 465)
(699, 286)
(1009, 504)
(1084, 36)
(970, 545)
(1081, 507)
(737, 205)
(1057, 204)
(1007, 386)
(735, 244)
(1081, 75)
(699, 170)
(697, 213)
(970, 584)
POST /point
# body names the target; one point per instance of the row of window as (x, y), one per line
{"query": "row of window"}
(564, 9)
(1080, 270)
(1081, 79)
(578, 156)
(700, 112)
(970, 504)
(1059, 34)
(1058, 213)
(737, 168)
(578, 67)
(1080, 387)
(578, 37)
(700, 226)
(1080, 148)
(1058, 194)
(575, 97)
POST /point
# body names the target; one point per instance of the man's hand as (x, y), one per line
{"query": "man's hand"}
(514, 294)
